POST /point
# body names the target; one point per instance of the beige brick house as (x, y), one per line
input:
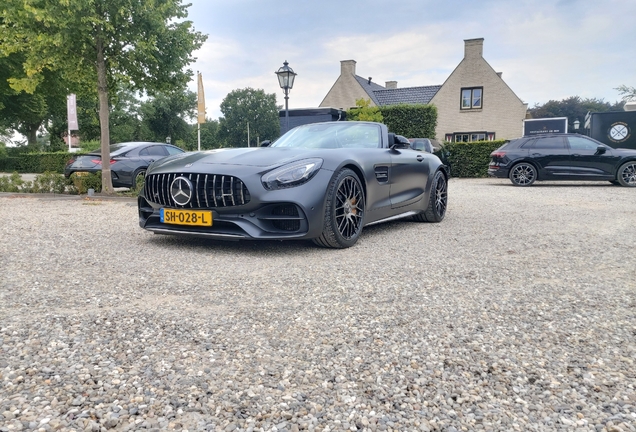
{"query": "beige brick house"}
(474, 103)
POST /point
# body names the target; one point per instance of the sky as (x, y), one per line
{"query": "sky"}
(547, 50)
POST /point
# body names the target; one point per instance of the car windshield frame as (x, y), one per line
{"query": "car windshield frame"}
(348, 135)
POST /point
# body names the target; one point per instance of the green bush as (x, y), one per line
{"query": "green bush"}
(48, 182)
(363, 111)
(468, 159)
(35, 162)
(89, 146)
(11, 183)
(80, 184)
(411, 121)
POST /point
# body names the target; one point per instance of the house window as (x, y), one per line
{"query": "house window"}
(471, 136)
(471, 98)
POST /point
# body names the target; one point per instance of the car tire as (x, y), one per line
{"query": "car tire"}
(438, 201)
(523, 174)
(626, 175)
(137, 175)
(344, 211)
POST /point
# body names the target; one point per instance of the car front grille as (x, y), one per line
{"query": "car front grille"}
(212, 190)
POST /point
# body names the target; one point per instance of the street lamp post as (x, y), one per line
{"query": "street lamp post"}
(286, 77)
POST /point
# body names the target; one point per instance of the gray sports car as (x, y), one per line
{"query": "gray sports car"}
(321, 181)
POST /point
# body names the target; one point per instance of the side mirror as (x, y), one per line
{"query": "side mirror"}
(265, 143)
(600, 150)
(401, 143)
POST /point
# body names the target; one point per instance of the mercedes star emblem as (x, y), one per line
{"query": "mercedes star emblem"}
(181, 190)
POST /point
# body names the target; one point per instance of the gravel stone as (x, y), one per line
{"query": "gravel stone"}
(518, 312)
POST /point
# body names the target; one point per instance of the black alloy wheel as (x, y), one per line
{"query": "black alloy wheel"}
(344, 211)
(438, 202)
(627, 174)
(139, 177)
(523, 174)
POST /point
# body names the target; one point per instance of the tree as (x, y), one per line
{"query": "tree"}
(244, 106)
(364, 112)
(98, 45)
(165, 115)
(27, 112)
(573, 108)
(209, 139)
(628, 93)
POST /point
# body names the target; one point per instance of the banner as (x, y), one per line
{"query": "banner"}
(200, 100)
(71, 112)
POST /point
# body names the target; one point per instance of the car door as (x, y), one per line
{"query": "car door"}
(551, 155)
(587, 161)
(408, 174)
(152, 153)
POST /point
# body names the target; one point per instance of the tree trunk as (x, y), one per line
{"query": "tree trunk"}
(32, 133)
(102, 92)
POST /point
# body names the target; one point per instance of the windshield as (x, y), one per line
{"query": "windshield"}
(332, 135)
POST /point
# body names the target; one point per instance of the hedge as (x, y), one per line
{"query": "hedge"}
(36, 162)
(468, 159)
(411, 121)
(465, 159)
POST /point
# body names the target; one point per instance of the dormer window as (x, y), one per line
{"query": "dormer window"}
(471, 98)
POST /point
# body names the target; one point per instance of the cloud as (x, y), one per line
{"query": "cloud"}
(546, 50)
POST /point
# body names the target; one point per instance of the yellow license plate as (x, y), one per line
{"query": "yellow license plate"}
(186, 217)
(81, 173)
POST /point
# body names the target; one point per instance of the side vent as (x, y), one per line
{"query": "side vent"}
(382, 174)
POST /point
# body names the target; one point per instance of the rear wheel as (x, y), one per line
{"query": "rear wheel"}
(138, 178)
(626, 175)
(523, 174)
(344, 211)
(438, 201)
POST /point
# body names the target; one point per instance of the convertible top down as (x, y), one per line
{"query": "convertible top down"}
(321, 181)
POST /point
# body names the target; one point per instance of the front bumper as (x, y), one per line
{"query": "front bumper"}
(293, 213)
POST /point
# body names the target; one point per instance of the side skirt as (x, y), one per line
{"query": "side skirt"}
(400, 216)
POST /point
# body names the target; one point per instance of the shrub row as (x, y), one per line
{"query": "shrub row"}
(50, 182)
(411, 121)
(36, 162)
(468, 159)
(465, 159)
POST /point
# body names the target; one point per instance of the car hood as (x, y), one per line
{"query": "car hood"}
(262, 158)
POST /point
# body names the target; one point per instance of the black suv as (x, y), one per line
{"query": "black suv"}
(562, 157)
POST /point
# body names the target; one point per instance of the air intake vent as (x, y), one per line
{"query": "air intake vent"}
(209, 190)
(382, 174)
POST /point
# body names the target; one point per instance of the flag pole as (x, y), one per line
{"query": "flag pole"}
(200, 108)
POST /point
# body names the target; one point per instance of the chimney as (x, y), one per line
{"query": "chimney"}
(473, 48)
(390, 84)
(369, 80)
(347, 67)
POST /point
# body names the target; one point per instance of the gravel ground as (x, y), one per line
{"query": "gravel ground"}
(518, 312)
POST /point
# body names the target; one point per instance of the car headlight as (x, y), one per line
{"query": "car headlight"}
(293, 174)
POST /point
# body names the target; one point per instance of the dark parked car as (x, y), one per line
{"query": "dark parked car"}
(321, 181)
(562, 157)
(128, 161)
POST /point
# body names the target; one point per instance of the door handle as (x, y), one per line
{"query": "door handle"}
(537, 154)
